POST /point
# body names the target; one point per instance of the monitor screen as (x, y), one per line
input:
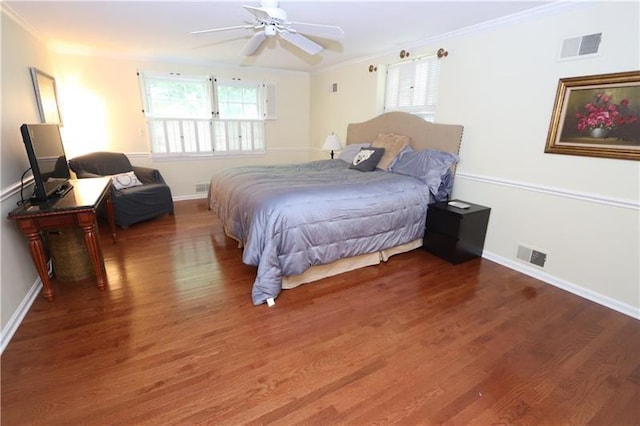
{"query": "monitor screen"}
(47, 158)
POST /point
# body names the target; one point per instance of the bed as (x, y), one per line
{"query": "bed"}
(299, 223)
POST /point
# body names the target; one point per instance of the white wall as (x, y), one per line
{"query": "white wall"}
(355, 100)
(500, 83)
(18, 277)
(102, 109)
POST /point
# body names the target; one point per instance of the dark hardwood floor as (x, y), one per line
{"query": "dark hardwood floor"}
(175, 339)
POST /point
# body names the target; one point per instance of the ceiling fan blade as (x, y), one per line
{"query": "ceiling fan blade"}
(260, 13)
(212, 30)
(254, 42)
(302, 42)
(324, 31)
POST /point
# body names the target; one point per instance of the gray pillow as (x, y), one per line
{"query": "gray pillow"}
(429, 166)
(350, 151)
(367, 159)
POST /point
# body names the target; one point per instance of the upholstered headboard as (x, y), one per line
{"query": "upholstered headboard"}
(423, 134)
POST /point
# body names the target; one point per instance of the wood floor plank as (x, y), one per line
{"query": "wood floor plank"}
(175, 339)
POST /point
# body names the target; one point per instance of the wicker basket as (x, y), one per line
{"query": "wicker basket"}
(71, 261)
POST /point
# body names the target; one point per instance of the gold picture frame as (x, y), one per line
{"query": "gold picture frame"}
(46, 96)
(597, 116)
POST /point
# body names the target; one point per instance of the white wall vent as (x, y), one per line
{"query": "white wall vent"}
(532, 256)
(580, 46)
(202, 187)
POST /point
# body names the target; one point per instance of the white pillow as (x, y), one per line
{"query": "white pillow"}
(125, 180)
(349, 152)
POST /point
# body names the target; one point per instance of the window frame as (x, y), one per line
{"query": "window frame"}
(188, 132)
(402, 80)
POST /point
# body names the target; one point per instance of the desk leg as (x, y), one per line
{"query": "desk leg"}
(87, 222)
(28, 228)
(111, 217)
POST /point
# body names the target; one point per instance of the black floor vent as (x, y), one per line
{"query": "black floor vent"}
(538, 258)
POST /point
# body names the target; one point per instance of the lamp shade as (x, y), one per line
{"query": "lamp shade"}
(332, 142)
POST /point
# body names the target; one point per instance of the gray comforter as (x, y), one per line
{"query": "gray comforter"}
(292, 217)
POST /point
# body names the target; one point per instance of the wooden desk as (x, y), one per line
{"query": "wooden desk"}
(76, 208)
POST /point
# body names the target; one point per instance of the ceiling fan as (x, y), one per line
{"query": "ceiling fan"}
(269, 20)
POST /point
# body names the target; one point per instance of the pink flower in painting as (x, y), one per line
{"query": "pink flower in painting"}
(603, 113)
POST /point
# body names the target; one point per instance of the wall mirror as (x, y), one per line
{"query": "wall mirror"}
(46, 96)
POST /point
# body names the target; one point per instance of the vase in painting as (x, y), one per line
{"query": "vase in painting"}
(598, 132)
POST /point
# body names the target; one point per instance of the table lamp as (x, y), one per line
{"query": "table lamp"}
(332, 143)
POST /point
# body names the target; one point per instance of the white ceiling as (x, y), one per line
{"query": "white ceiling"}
(159, 30)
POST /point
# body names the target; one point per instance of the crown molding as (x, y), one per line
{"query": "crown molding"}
(543, 10)
(18, 19)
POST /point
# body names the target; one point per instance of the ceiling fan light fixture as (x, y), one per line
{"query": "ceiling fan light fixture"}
(270, 30)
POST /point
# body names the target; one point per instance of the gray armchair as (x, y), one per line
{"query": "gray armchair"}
(130, 205)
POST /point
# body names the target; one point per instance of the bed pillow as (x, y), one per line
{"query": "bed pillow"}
(446, 187)
(393, 144)
(430, 166)
(405, 150)
(367, 159)
(125, 180)
(350, 151)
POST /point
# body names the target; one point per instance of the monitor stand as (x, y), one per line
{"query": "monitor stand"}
(63, 190)
(54, 196)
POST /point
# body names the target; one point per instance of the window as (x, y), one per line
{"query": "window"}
(413, 87)
(237, 99)
(202, 115)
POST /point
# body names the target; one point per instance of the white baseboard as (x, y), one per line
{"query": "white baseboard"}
(190, 197)
(593, 296)
(16, 319)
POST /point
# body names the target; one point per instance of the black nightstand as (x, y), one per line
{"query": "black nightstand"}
(456, 234)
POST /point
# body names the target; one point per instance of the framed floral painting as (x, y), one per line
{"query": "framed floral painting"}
(597, 116)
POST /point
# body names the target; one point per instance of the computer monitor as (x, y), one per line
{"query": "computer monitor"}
(47, 159)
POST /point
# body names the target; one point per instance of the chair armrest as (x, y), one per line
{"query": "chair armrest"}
(148, 175)
(87, 175)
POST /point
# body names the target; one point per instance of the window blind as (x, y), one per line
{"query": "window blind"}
(413, 87)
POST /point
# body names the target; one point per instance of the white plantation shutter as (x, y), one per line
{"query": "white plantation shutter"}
(413, 87)
(269, 109)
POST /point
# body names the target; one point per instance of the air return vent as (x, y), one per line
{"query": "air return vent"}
(202, 187)
(531, 256)
(580, 46)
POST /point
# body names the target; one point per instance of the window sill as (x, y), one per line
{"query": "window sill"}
(205, 156)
